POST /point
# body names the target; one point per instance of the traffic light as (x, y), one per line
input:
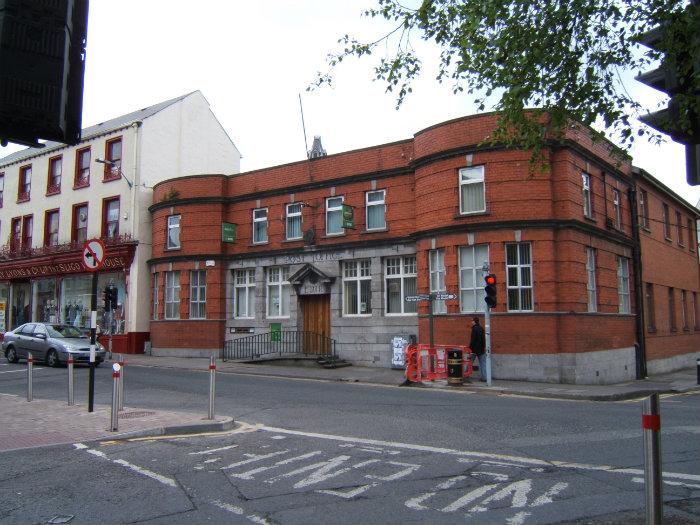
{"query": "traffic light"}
(42, 65)
(490, 290)
(110, 298)
(678, 75)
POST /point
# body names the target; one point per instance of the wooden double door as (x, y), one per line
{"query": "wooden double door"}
(316, 311)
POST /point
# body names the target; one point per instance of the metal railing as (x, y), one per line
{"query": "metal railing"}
(279, 344)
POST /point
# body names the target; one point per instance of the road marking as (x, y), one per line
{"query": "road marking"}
(149, 473)
(212, 450)
(145, 472)
(674, 483)
(9, 395)
(240, 512)
(479, 455)
(23, 370)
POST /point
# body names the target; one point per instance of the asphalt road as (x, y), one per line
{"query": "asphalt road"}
(331, 452)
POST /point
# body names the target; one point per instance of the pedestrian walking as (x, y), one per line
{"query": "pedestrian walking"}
(477, 344)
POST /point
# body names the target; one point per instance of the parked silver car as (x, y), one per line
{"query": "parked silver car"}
(50, 342)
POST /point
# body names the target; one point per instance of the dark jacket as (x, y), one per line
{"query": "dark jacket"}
(478, 340)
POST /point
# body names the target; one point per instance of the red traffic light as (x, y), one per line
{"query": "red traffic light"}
(490, 279)
(490, 290)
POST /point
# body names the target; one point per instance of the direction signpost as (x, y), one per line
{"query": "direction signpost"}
(431, 298)
(93, 256)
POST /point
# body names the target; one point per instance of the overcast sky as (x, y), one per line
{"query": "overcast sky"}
(251, 60)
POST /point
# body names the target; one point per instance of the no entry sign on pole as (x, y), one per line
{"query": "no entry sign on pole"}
(93, 255)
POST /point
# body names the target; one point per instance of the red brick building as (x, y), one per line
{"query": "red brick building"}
(565, 244)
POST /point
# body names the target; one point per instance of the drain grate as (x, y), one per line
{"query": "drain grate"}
(134, 415)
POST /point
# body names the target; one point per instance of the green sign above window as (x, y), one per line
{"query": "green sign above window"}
(348, 216)
(228, 232)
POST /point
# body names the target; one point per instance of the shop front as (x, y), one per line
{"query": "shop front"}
(56, 289)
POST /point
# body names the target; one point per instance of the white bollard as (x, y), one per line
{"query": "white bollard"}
(114, 423)
(212, 386)
(121, 383)
(71, 399)
(30, 365)
(651, 423)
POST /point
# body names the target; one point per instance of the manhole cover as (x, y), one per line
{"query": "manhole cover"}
(133, 415)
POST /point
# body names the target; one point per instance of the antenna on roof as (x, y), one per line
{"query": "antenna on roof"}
(306, 145)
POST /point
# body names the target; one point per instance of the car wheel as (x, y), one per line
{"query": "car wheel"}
(11, 355)
(52, 359)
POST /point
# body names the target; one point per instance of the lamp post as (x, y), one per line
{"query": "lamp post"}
(116, 166)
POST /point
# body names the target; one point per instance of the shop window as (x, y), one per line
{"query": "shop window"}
(2, 187)
(278, 291)
(401, 280)
(334, 216)
(294, 221)
(617, 208)
(76, 299)
(173, 234)
(198, 294)
(591, 280)
(260, 226)
(357, 287)
(244, 293)
(623, 285)
(16, 234)
(25, 183)
(172, 295)
(4, 312)
(80, 223)
(651, 310)
(53, 181)
(376, 210)
(51, 228)
(113, 156)
(471, 282)
(110, 218)
(667, 222)
(27, 231)
(519, 277)
(644, 209)
(155, 296)
(587, 198)
(45, 301)
(82, 168)
(436, 258)
(472, 190)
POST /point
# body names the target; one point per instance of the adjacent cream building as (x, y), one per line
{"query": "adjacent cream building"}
(55, 198)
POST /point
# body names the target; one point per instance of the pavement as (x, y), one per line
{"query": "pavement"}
(25, 424)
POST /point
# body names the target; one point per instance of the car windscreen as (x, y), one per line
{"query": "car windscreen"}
(62, 330)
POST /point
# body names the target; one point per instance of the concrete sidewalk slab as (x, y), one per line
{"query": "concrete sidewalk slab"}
(44, 422)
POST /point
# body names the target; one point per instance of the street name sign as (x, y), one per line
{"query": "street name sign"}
(443, 296)
(419, 297)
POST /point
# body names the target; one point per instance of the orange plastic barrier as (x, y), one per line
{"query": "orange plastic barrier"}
(426, 363)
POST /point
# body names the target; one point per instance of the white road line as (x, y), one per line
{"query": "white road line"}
(153, 475)
(477, 455)
(212, 450)
(9, 395)
(240, 512)
(145, 472)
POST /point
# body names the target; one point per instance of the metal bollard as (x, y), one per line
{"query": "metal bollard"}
(121, 383)
(30, 365)
(651, 423)
(71, 399)
(212, 386)
(114, 423)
